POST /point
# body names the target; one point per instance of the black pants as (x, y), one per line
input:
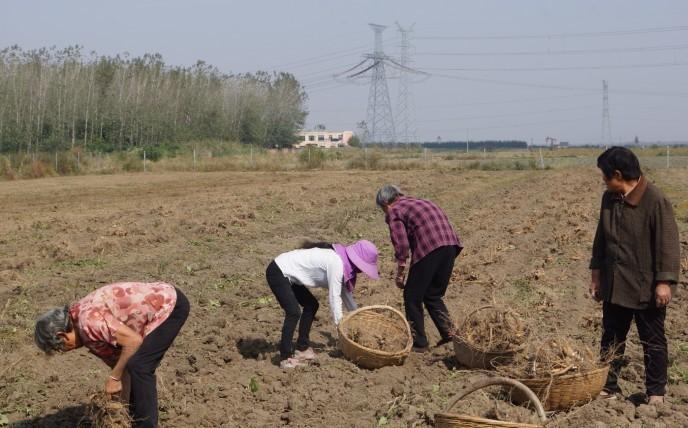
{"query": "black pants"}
(143, 400)
(291, 297)
(426, 284)
(616, 321)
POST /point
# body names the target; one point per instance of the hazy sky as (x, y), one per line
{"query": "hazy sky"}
(518, 69)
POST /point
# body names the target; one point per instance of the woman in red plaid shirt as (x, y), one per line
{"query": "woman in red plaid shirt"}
(421, 227)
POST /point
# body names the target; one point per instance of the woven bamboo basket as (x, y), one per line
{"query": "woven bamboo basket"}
(472, 357)
(565, 392)
(385, 320)
(453, 420)
(469, 356)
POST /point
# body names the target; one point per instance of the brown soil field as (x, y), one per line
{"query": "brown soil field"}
(528, 236)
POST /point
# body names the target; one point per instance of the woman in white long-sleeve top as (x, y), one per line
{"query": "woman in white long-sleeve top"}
(332, 266)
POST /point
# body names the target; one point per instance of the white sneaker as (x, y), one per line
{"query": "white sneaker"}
(291, 363)
(307, 355)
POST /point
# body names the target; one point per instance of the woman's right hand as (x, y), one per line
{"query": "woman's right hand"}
(595, 285)
(113, 386)
(399, 279)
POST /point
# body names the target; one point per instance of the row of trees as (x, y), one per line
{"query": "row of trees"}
(56, 99)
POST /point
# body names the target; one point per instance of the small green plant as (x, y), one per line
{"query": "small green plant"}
(253, 385)
(257, 303)
(83, 263)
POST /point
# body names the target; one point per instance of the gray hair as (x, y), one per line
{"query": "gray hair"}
(387, 194)
(56, 320)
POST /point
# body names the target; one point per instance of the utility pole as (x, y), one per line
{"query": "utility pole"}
(466, 140)
(606, 121)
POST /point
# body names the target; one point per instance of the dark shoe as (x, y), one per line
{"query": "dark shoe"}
(420, 349)
(444, 341)
(638, 398)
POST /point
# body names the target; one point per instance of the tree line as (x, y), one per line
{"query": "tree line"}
(58, 99)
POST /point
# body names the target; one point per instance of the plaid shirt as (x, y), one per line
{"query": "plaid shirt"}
(420, 226)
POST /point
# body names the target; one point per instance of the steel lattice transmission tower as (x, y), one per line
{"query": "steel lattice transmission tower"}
(379, 113)
(405, 109)
(606, 121)
(379, 126)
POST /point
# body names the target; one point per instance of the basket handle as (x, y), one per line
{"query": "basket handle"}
(503, 381)
(473, 312)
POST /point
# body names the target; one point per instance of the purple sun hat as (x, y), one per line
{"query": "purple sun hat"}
(363, 254)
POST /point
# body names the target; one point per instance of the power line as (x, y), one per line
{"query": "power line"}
(517, 125)
(513, 100)
(562, 68)
(496, 116)
(326, 88)
(560, 87)
(326, 57)
(658, 48)
(563, 35)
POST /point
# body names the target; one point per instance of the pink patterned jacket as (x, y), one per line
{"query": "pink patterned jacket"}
(140, 306)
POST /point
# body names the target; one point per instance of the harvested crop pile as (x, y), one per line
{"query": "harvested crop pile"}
(493, 329)
(378, 329)
(556, 356)
(490, 403)
(497, 409)
(104, 412)
(377, 340)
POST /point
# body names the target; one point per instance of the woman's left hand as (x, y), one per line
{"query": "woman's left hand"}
(113, 386)
(662, 294)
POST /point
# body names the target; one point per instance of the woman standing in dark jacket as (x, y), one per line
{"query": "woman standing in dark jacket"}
(635, 267)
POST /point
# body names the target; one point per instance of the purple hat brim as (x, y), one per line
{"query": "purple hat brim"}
(365, 267)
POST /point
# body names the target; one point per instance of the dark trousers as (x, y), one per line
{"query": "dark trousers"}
(143, 400)
(426, 284)
(291, 298)
(616, 321)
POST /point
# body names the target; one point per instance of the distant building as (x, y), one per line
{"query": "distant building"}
(323, 139)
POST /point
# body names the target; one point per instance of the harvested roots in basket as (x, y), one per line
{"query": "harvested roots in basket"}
(493, 330)
(377, 340)
(553, 357)
(104, 412)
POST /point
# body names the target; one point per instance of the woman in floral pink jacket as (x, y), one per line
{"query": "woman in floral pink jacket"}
(130, 326)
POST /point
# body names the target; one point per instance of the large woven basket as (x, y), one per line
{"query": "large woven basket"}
(567, 391)
(472, 357)
(453, 420)
(469, 356)
(386, 321)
